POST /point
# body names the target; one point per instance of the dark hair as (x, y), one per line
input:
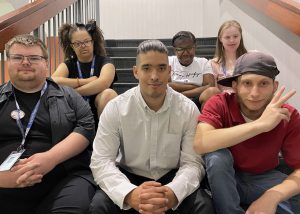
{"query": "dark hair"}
(65, 34)
(219, 53)
(183, 34)
(150, 45)
(28, 41)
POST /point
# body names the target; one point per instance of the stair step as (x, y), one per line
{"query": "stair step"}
(123, 62)
(126, 75)
(167, 42)
(201, 51)
(121, 87)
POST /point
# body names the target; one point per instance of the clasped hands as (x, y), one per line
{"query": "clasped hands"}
(30, 171)
(151, 198)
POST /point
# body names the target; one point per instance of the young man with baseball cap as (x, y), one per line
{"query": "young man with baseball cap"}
(241, 135)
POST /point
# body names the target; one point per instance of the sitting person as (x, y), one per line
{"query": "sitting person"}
(241, 135)
(87, 69)
(49, 128)
(229, 47)
(190, 75)
(143, 158)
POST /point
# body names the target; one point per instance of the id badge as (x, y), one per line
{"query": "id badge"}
(11, 160)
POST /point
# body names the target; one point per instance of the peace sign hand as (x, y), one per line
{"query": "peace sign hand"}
(274, 112)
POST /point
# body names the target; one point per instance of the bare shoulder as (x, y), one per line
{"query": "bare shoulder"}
(61, 71)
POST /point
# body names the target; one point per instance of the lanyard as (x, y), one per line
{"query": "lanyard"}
(91, 73)
(31, 119)
(92, 68)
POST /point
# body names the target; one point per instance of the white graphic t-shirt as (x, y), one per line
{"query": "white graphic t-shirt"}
(192, 74)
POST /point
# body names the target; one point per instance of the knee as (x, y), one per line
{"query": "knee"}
(219, 160)
(207, 93)
(109, 93)
(105, 96)
(101, 203)
(198, 202)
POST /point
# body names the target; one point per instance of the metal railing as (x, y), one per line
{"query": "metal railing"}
(43, 18)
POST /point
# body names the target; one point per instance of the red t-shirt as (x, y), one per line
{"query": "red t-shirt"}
(260, 153)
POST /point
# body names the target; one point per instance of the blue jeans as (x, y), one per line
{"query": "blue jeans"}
(230, 189)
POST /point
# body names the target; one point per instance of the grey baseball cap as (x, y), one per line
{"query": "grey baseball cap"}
(253, 62)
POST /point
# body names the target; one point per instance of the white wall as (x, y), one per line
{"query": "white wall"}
(134, 19)
(141, 19)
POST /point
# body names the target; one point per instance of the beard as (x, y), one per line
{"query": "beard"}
(253, 113)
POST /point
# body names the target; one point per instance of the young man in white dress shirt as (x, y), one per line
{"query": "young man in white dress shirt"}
(143, 158)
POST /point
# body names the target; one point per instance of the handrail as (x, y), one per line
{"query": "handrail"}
(29, 17)
(285, 12)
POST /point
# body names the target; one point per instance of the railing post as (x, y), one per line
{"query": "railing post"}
(2, 67)
(97, 8)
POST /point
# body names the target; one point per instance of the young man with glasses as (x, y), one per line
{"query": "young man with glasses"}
(190, 75)
(44, 135)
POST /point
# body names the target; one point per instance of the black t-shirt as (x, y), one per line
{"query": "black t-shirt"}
(100, 61)
(38, 140)
(39, 136)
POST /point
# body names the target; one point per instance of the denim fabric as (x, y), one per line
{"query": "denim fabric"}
(230, 189)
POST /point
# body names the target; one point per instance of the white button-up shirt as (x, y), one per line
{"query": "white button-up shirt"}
(147, 143)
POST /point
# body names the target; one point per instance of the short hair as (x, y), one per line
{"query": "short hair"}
(151, 45)
(183, 34)
(28, 41)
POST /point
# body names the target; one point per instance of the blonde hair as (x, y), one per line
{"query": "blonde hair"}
(28, 41)
(219, 53)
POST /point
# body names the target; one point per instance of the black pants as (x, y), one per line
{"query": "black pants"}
(72, 195)
(198, 202)
(197, 102)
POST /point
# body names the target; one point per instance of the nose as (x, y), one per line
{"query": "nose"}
(255, 91)
(154, 75)
(25, 60)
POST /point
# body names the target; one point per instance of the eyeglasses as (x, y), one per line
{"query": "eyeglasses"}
(86, 43)
(32, 59)
(181, 50)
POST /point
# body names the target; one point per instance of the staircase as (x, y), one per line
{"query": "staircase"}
(123, 53)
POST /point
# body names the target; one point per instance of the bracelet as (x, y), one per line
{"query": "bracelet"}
(78, 82)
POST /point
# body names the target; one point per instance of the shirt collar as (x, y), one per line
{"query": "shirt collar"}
(142, 102)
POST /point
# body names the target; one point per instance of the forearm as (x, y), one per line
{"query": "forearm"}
(72, 145)
(186, 181)
(112, 181)
(288, 188)
(180, 87)
(196, 92)
(211, 139)
(71, 82)
(92, 88)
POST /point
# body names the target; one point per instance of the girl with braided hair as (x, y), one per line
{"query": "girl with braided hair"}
(86, 68)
